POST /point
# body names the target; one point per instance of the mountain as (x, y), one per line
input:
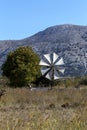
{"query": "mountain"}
(69, 41)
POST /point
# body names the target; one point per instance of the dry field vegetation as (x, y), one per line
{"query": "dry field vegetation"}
(56, 109)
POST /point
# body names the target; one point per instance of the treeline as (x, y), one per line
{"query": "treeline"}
(43, 82)
(22, 68)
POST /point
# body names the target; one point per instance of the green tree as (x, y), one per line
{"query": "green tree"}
(22, 66)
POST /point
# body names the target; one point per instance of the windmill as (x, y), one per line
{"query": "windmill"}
(52, 67)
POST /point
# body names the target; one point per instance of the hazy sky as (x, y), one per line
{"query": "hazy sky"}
(22, 18)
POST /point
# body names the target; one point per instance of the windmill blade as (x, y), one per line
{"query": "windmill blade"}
(43, 63)
(48, 76)
(55, 57)
(47, 56)
(44, 71)
(60, 62)
(55, 76)
(61, 70)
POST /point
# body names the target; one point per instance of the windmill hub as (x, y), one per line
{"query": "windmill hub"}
(52, 66)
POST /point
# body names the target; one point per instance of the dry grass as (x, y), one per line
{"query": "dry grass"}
(22, 109)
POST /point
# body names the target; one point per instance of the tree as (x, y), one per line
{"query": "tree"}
(21, 66)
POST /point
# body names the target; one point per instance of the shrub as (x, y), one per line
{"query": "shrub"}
(21, 66)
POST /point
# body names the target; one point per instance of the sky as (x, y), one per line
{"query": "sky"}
(23, 18)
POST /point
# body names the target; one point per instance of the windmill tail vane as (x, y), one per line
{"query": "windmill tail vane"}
(52, 66)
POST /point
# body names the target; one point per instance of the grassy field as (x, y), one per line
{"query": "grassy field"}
(57, 109)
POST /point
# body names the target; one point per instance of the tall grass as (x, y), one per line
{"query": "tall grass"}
(22, 109)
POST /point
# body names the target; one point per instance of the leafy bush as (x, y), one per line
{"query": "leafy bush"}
(21, 66)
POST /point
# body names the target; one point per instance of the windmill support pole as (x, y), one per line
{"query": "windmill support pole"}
(51, 85)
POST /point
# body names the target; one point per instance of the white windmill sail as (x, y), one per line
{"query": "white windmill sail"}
(60, 62)
(47, 56)
(43, 63)
(55, 57)
(43, 71)
(55, 76)
(48, 76)
(61, 70)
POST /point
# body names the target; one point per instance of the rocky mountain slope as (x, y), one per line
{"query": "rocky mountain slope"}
(69, 41)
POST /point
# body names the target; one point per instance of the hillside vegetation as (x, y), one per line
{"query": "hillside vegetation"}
(68, 41)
